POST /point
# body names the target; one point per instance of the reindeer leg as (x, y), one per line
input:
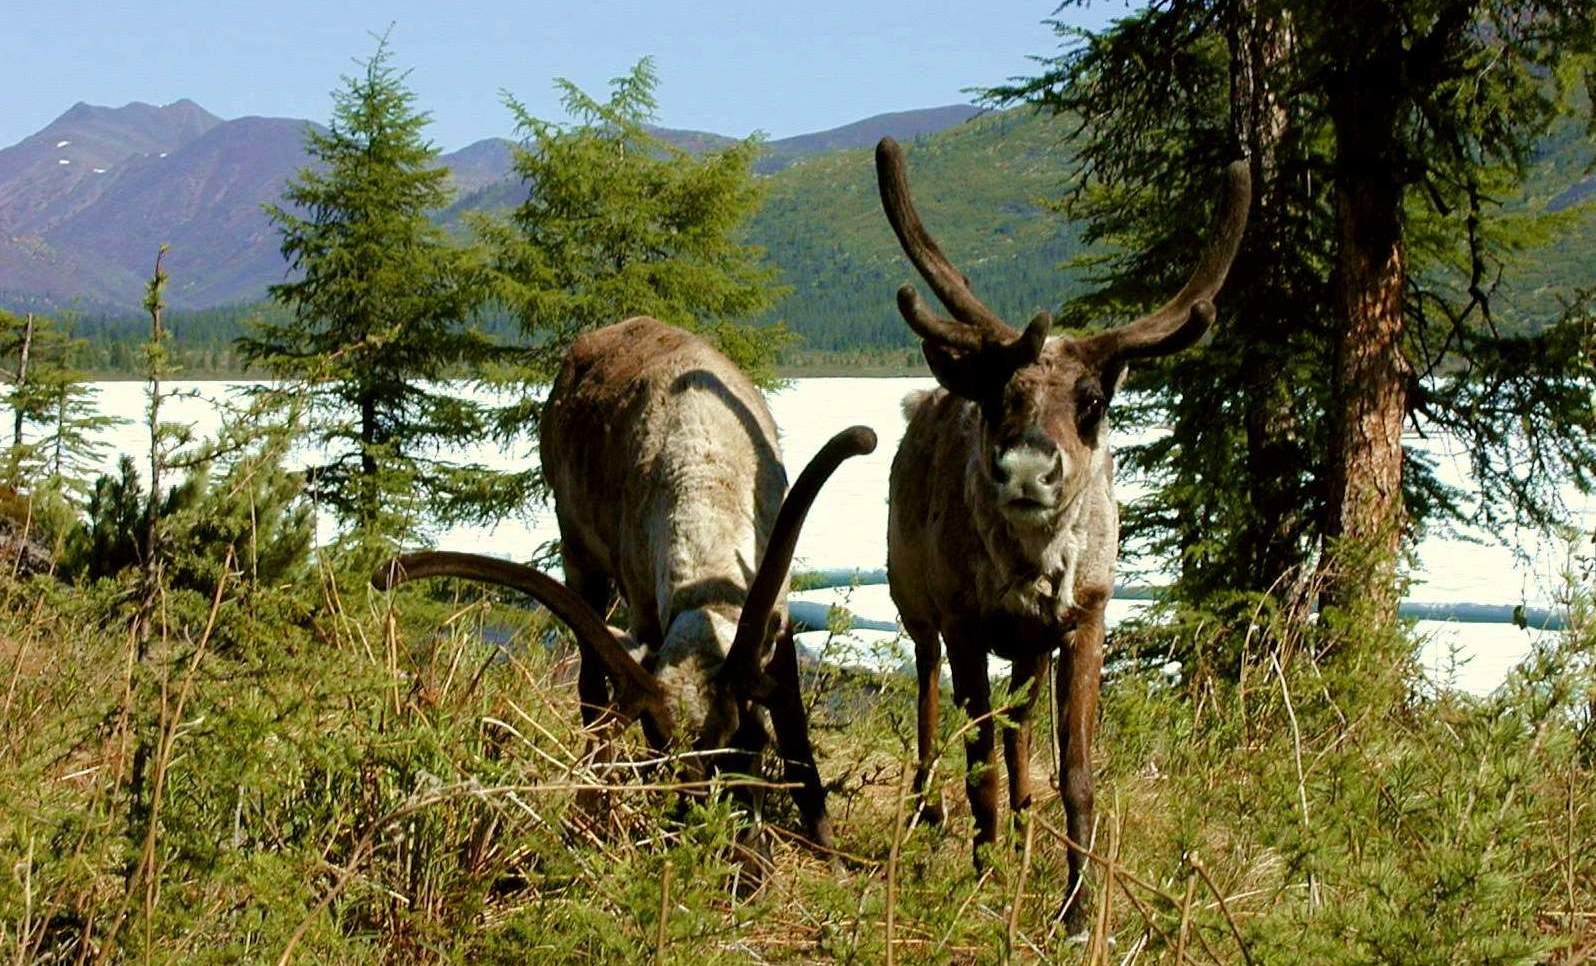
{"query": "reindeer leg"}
(791, 724)
(592, 686)
(972, 691)
(928, 674)
(1080, 671)
(594, 587)
(752, 845)
(1029, 672)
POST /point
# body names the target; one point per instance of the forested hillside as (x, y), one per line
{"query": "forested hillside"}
(980, 187)
(983, 189)
(1563, 184)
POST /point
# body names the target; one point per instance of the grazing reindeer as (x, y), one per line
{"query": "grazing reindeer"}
(1002, 528)
(668, 481)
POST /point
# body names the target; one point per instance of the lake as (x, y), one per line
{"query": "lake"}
(847, 527)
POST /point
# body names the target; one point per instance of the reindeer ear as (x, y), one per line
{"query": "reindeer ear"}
(957, 372)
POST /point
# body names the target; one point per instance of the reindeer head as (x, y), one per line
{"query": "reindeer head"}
(697, 684)
(1042, 402)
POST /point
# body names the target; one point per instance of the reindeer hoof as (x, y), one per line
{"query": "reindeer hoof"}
(753, 860)
(819, 832)
(1074, 916)
(928, 813)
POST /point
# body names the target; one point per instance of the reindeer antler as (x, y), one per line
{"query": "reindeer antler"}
(753, 625)
(1182, 320)
(974, 328)
(637, 690)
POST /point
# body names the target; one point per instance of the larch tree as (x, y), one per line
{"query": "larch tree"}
(1432, 104)
(55, 419)
(1389, 146)
(618, 223)
(381, 307)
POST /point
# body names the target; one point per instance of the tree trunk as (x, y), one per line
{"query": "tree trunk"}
(22, 379)
(367, 511)
(1260, 42)
(1371, 373)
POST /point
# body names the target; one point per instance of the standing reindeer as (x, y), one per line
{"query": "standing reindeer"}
(1002, 528)
(668, 481)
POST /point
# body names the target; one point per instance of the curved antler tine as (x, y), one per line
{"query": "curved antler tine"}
(1181, 321)
(638, 689)
(1027, 347)
(754, 623)
(947, 282)
(932, 327)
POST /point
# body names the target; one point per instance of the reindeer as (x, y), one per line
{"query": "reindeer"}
(1002, 528)
(668, 482)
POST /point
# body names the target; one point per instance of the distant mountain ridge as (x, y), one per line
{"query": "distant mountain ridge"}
(86, 201)
(901, 125)
(784, 152)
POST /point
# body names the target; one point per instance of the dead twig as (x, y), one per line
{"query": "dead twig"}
(892, 861)
(1126, 876)
(1019, 887)
(1185, 916)
(1191, 858)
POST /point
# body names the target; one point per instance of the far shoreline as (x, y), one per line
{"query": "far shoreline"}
(826, 370)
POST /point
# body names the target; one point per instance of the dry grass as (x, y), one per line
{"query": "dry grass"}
(377, 780)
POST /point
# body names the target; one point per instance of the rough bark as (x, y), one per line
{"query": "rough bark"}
(1371, 372)
(1260, 41)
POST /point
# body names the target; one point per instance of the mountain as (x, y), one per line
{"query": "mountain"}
(783, 153)
(85, 202)
(480, 164)
(64, 168)
(901, 125)
(693, 142)
(204, 200)
(179, 175)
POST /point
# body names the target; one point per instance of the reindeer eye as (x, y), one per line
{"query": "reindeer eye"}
(1089, 404)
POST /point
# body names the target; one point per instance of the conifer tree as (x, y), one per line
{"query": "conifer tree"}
(55, 416)
(1385, 142)
(379, 308)
(619, 223)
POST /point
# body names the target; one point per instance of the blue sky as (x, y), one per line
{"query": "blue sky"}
(785, 68)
